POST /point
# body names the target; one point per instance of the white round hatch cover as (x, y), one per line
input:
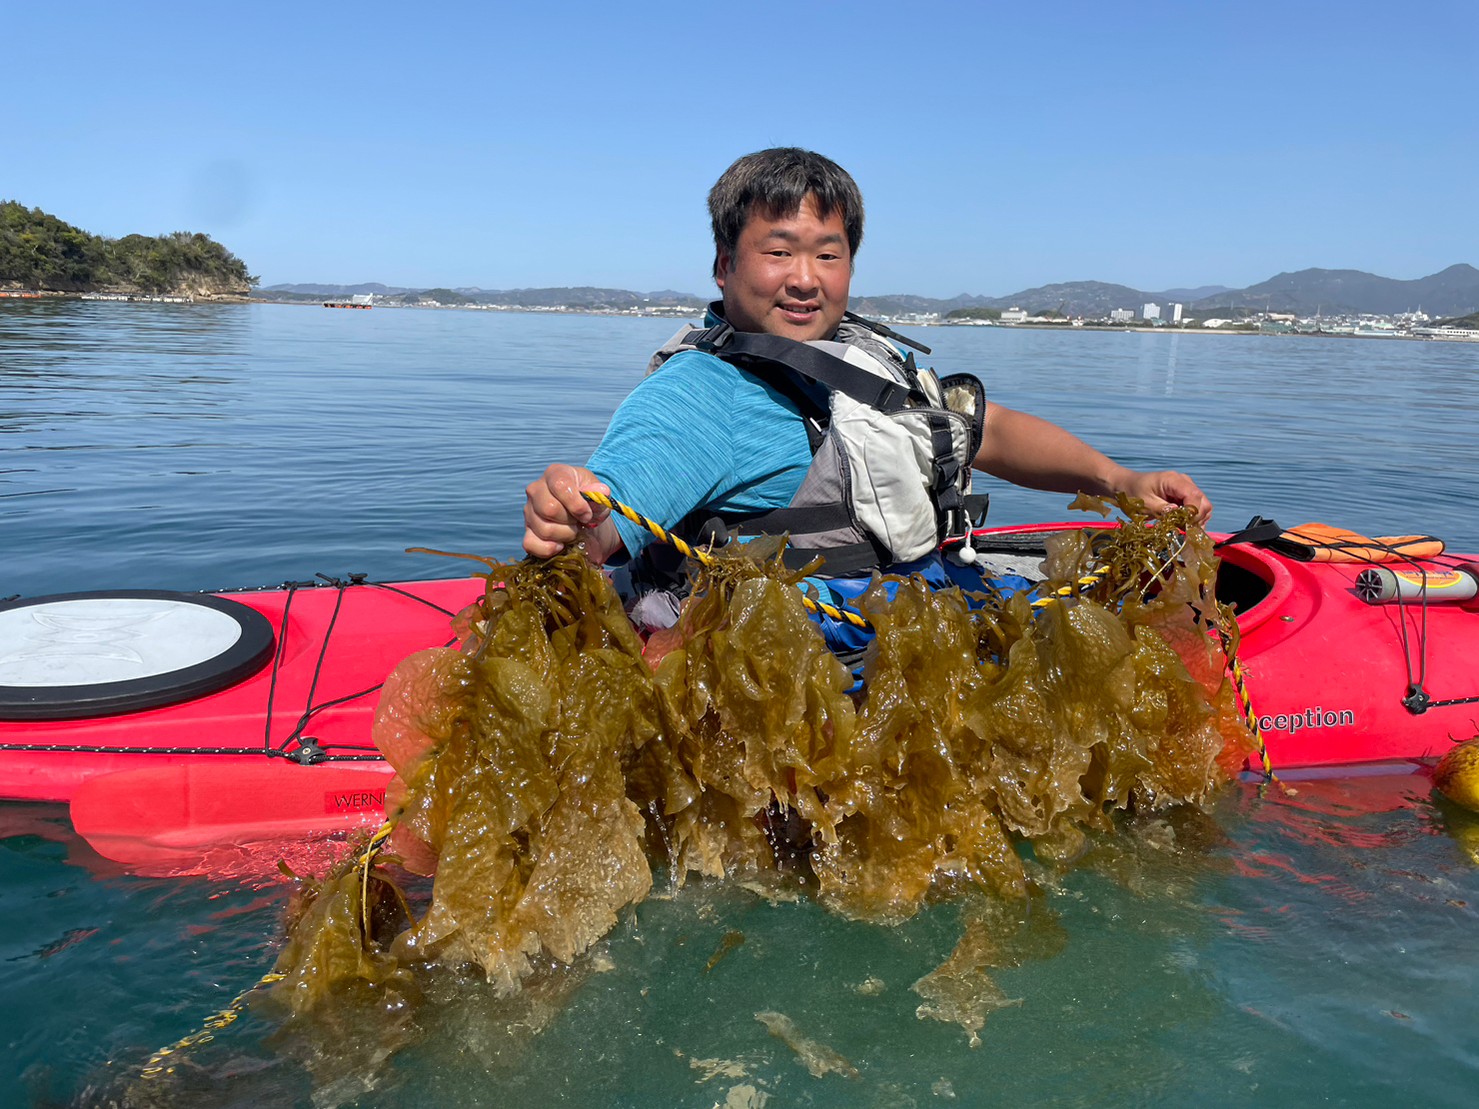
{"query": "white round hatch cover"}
(91, 654)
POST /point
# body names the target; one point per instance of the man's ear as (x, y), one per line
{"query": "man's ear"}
(722, 260)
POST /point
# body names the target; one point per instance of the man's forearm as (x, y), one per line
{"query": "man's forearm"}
(1027, 450)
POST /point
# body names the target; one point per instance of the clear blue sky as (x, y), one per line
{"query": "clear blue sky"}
(998, 146)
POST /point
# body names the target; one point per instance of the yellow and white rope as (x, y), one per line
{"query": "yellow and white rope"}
(160, 1062)
(704, 558)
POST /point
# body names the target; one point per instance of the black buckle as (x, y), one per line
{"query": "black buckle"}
(714, 339)
(976, 506)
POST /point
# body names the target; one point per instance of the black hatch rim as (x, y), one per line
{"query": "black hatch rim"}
(251, 651)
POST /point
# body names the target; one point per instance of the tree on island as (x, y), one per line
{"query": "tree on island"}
(39, 251)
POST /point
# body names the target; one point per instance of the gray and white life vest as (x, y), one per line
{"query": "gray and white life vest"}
(890, 475)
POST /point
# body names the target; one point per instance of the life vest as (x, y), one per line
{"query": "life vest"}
(890, 476)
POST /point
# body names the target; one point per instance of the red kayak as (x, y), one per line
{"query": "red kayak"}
(1348, 665)
(171, 722)
(1335, 679)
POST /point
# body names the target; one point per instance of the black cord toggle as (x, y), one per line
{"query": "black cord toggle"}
(1417, 701)
(309, 752)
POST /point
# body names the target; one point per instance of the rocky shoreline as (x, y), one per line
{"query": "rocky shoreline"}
(11, 291)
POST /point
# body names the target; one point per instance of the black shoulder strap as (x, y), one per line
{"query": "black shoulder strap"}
(1262, 532)
(827, 369)
(887, 332)
(1259, 530)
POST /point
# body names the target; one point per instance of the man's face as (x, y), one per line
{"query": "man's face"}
(788, 277)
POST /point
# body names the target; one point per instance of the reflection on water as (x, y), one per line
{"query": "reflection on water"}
(1291, 944)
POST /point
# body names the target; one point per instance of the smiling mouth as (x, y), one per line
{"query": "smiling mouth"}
(801, 309)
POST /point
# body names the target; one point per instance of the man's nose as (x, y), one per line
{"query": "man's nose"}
(803, 273)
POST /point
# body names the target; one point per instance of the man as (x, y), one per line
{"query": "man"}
(711, 435)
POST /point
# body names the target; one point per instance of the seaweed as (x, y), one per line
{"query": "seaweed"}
(548, 764)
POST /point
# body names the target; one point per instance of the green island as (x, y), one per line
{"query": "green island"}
(43, 254)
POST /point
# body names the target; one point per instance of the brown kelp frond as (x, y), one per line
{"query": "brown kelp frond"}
(757, 715)
(545, 765)
(510, 777)
(491, 563)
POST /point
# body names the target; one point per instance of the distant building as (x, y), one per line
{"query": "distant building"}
(1150, 312)
(1121, 315)
(1175, 313)
(1014, 315)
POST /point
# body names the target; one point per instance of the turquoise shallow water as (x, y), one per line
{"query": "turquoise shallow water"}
(1316, 948)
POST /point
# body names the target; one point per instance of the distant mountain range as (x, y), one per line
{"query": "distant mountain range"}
(1452, 292)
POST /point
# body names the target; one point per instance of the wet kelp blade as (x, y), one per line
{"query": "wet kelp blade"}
(545, 765)
(511, 792)
(987, 730)
(226, 816)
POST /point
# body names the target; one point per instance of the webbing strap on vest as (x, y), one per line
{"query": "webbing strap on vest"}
(846, 561)
(877, 392)
(945, 467)
(887, 332)
(843, 560)
(821, 517)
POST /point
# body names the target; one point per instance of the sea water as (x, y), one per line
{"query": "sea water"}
(1308, 948)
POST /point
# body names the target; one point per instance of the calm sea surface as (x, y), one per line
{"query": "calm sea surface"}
(1317, 949)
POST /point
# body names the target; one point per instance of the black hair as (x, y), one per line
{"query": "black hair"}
(773, 183)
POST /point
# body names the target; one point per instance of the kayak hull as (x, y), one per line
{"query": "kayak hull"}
(222, 818)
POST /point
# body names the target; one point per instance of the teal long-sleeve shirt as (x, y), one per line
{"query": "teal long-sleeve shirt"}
(701, 433)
